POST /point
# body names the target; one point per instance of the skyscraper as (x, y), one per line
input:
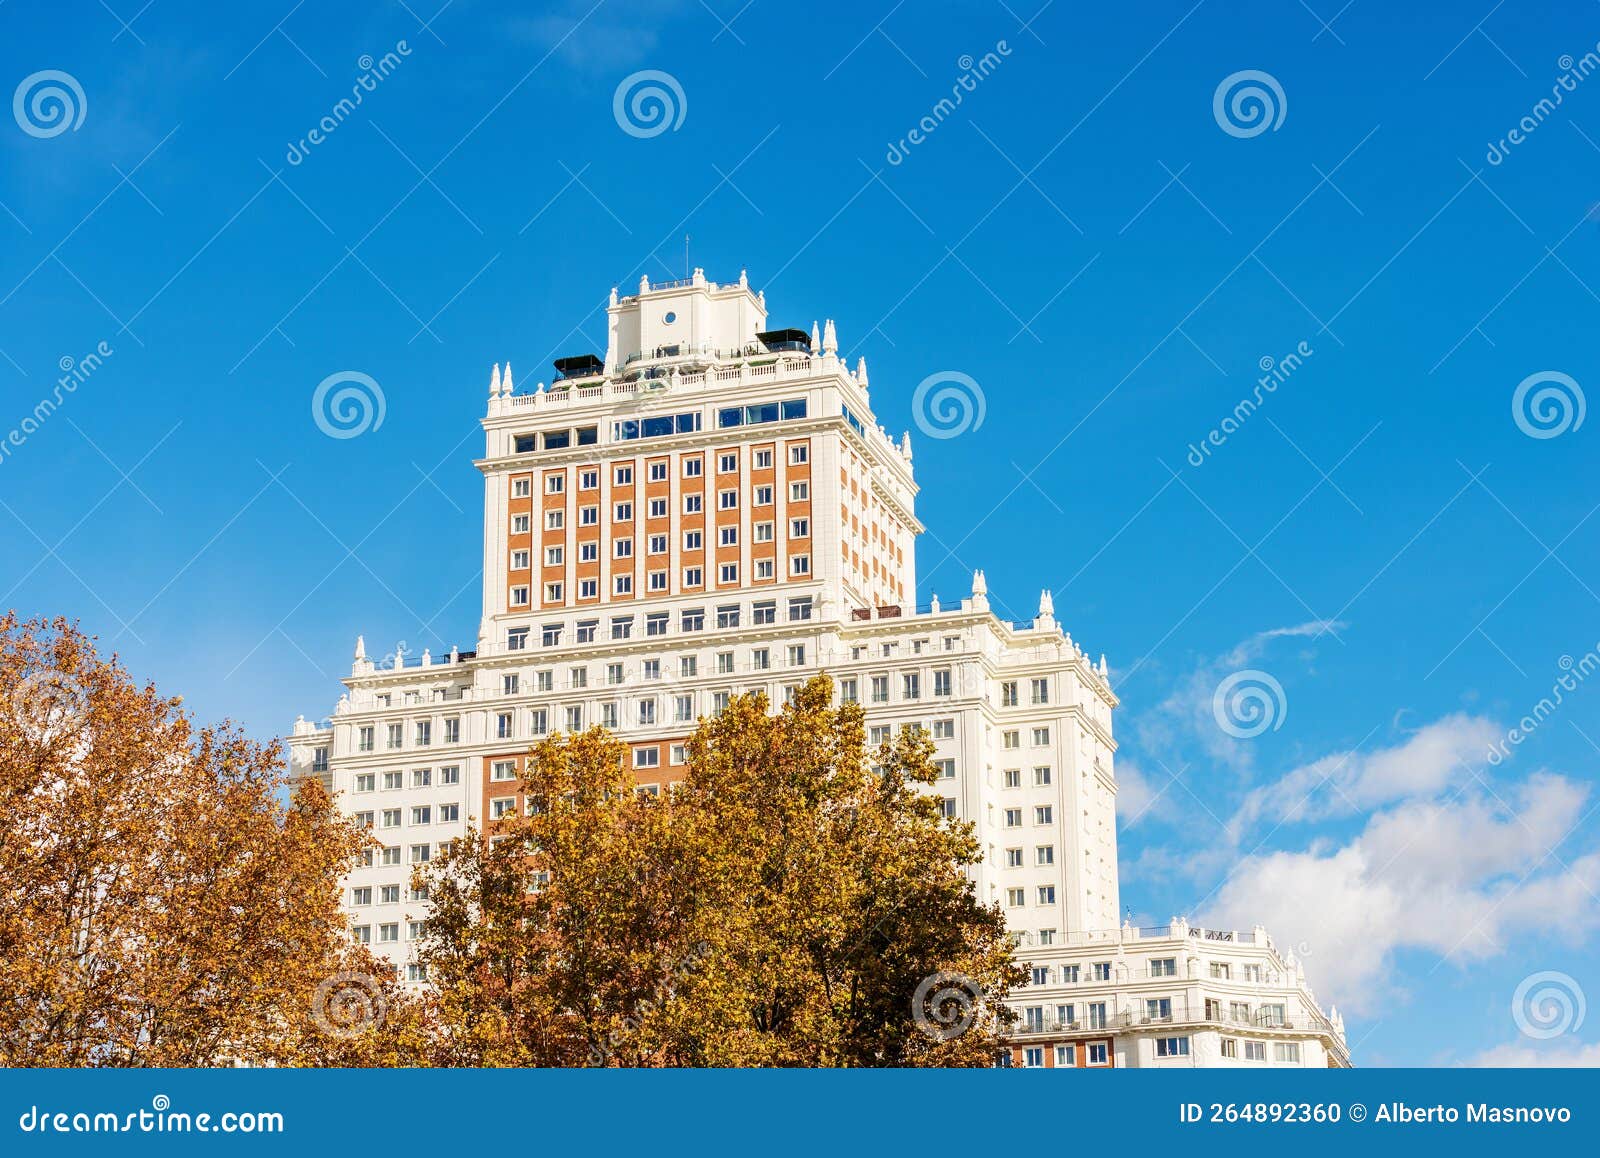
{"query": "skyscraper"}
(711, 508)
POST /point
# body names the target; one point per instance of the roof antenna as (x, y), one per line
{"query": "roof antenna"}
(686, 269)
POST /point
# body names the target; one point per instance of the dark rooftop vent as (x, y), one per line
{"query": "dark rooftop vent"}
(776, 340)
(583, 366)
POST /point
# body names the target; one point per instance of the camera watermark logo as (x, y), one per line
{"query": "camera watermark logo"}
(347, 1004)
(1548, 404)
(1248, 103)
(48, 103)
(373, 73)
(648, 103)
(1249, 703)
(945, 1005)
(948, 403)
(348, 404)
(1548, 1004)
(1274, 373)
(47, 705)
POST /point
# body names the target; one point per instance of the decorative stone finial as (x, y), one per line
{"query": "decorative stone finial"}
(613, 295)
(427, 657)
(905, 445)
(644, 283)
(494, 382)
(505, 382)
(816, 340)
(361, 647)
(830, 338)
(744, 279)
(861, 372)
(980, 585)
(1047, 604)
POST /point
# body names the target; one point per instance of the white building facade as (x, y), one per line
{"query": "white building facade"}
(709, 509)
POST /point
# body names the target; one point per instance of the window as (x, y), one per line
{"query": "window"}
(724, 663)
(1041, 777)
(693, 540)
(848, 693)
(393, 780)
(880, 689)
(555, 520)
(362, 934)
(760, 659)
(1042, 814)
(912, 685)
(1011, 739)
(1041, 737)
(1016, 898)
(517, 639)
(1101, 970)
(658, 545)
(520, 594)
(1014, 860)
(1008, 694)
(539, 721)
(692, 504)
(799, 528)
(623, 476)
(364, 739)
(1044, 854)
(503, 770)
(797, 655)
(657, 509)
(553, 557)
(1013, 818)
(1230, 1047)
(521, 488)
(693, 577)
(728, 615)
(1271, 1014)
(762, 459)
(799, 492)
(647, 757)
(588, 480)
(449, 813)
(587, 629)
(647, 713)
(1097, 1014)
(519, 524)
(764, 532)
(502, 726)
(1012, 777)
(658, 471)
(1255, 1051)
(1033, 1058)
(420, 853)
(361, 896)
(800, 565)
(555, 484)
(396, 735)
(728, 573)
(422, 814)
(450, 775)
(941, 682)
(946, 769)
(622, 513)
(1221, 970)
(800, 609)
(452, 730)
(422, 777)
(588, 516)
(799, 454)
(947, 808)
(502, 806)
(1158, 1009)
(1286, 1051)
(728, 536)
(1252, 972)
(575, 718)
(762, 497)
(1041, 690)
(693, 467)
(1047, 894)
(1172, 1047)
(727, 463)
(683, 709)
(1066, 1056)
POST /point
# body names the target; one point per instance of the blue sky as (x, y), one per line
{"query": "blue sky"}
(1082, 236)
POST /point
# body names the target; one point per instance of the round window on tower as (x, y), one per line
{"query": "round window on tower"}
(670, 318)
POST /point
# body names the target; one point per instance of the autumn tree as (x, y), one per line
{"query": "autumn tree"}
(796, 900)
(165, 899)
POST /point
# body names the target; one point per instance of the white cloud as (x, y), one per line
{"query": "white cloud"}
(1459, 878)
(1434, 757)
(1529, 1055)
(1187, 715)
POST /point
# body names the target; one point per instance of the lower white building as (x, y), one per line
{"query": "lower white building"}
(711, 509)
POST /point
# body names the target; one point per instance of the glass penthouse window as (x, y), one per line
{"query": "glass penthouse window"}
(765, 412)
(655, 427)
